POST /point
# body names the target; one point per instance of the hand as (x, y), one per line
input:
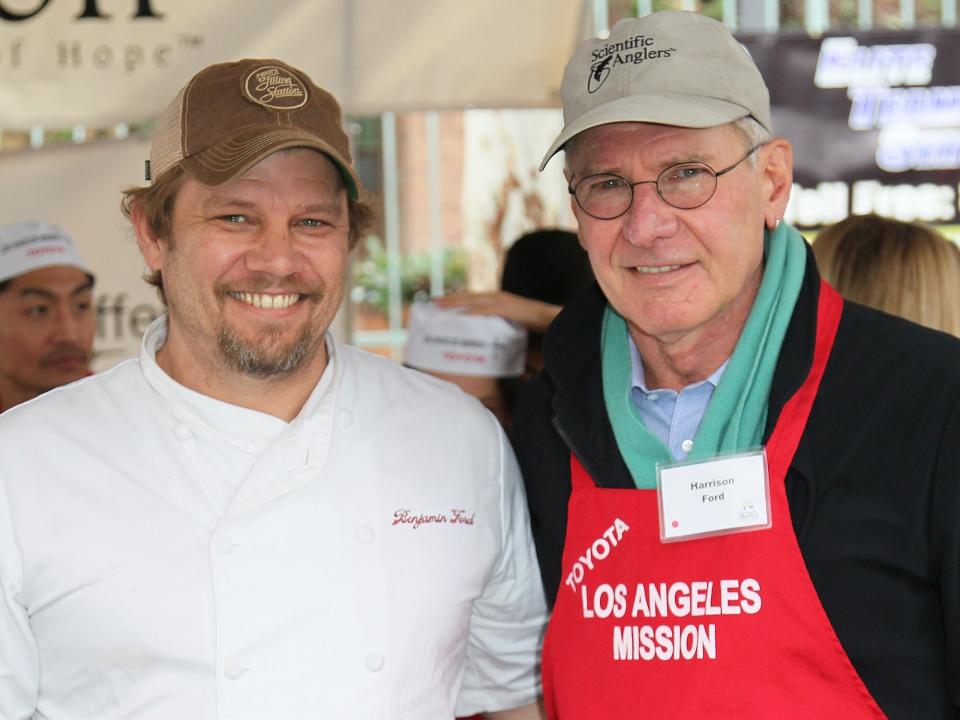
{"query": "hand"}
(532, 314)
(527, 712)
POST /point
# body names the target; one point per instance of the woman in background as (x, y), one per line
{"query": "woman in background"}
(903, 268)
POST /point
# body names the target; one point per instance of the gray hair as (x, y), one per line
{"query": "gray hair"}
(754, 133)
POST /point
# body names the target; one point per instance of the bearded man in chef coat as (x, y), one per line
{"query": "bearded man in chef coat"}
(745, 491)
(251, 520)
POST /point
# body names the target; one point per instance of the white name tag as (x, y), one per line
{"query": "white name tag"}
(714, 497)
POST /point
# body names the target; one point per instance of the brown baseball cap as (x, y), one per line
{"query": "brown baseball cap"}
(230, 116)
(670, 68)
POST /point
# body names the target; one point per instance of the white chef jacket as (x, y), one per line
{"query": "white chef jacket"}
(374, 562)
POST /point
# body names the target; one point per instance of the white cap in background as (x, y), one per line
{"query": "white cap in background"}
(450, 341)
(28, 246)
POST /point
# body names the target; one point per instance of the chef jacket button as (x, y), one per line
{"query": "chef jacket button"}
(345, 418)
(225, 543)
(233, 670)
(687, 445)
(181, 431)
(374, 662)
(365, 534)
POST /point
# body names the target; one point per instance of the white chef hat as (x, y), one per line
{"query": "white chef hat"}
(447, 340)
(28, 246)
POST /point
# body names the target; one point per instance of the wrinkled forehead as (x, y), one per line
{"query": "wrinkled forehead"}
(613, 142)
(318, 163)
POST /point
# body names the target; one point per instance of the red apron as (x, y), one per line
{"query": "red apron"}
(722, 627)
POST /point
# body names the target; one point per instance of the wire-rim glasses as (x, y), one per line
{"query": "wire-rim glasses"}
(685, 186)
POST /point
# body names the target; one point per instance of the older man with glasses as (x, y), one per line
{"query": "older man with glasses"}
(744, 491)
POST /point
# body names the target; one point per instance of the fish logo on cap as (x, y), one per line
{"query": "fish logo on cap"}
(598, 74)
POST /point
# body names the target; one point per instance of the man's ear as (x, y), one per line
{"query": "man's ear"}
(776, 160)
(150, 244)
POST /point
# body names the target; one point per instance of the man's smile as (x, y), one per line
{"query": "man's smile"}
(266, 300)
(655, 269)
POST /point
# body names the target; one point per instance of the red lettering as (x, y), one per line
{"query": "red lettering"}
(463, 357)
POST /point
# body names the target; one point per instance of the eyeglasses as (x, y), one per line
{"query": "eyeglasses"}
(685, 186)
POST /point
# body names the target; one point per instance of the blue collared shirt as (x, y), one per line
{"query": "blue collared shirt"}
(673, 417)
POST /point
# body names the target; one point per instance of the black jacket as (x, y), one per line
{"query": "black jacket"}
(874, 488)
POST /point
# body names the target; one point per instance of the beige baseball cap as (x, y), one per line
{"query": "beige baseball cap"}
(32, 245)
(671, 67)
(230, 116)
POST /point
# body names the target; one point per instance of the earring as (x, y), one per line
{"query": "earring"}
(776, 223)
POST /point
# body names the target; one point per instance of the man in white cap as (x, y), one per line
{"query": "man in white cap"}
(251, 520)
(745, 492)
(47, 321)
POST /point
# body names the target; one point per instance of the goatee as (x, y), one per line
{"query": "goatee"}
(258, 360)
(265, 356)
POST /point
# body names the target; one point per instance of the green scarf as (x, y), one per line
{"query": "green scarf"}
(737, 413)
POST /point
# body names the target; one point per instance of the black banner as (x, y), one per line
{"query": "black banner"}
(874, 119)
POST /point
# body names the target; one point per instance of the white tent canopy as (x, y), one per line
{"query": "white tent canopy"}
(100, 62)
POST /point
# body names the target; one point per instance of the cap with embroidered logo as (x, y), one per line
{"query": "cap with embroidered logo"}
(29, 246)
(230, 116)
(671, 67)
